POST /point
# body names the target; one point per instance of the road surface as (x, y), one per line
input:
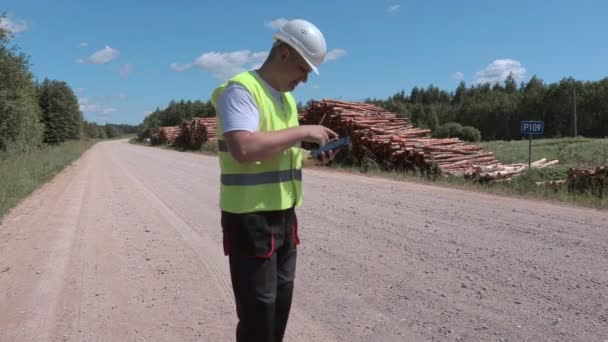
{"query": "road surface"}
(125, 245)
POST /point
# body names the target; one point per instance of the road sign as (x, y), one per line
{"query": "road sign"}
(532, 127)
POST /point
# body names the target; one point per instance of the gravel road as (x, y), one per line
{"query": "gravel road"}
(125, 245)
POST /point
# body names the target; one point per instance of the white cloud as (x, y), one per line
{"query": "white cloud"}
(126, 70)
(258, 59)
(315, 86)
(393, 8)
(94, 106)
(224, 65)
(277, 23)
(458, 76)
(80, 61)
(103, 56)
(13, 25)
(180, 67)
(123, 97)
(499, 70)
(84, 44)
(87, 106)
(335, 54)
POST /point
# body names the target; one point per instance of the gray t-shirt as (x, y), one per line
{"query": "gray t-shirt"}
(238, 111)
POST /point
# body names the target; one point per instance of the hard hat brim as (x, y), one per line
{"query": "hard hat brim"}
(293, 46)
(314, 68)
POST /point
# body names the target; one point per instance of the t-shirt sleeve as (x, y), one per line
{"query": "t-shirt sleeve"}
(237, 110)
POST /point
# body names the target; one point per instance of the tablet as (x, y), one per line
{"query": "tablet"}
(332, 145)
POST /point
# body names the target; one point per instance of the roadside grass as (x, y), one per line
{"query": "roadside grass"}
(571, 152)
(22, 173)
(577, 152)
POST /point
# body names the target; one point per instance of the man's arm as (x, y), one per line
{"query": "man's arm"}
(240, 119)
(254, 146)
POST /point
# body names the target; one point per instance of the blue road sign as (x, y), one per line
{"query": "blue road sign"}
(532, 127)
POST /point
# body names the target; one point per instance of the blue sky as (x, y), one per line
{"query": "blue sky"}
(126, 58)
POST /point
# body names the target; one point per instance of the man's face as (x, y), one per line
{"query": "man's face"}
(296, 70)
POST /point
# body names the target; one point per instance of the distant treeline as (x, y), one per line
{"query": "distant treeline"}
(175, 113)
(477, 112)
(497, 110)
(33, 114)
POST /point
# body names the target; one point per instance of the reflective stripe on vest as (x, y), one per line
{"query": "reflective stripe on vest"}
(261, 178)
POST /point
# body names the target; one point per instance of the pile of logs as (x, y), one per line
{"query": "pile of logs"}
(168, 134)
(594, 180)
(392, 141)
(190, 133)
(211, 125)
(198, 131)
(499, 172)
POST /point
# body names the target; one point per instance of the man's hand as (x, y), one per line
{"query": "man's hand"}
(319, 134)
(328, 156)
(324, 158)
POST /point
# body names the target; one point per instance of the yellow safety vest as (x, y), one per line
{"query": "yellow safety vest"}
(272, 184)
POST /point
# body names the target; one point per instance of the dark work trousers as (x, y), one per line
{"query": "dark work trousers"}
(262, 254)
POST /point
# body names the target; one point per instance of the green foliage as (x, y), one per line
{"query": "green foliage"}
(447, 130)
(111, 131)
(20, 126)
(469, 133)
(173, 115)
(497, 110)
(22, 173)
(60, 112)
(456, 130)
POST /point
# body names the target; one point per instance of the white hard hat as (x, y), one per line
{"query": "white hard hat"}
(306, 39)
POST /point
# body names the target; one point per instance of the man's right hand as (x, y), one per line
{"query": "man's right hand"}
(319, 134)
(246, 147)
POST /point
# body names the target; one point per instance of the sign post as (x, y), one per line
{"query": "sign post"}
(531, 128)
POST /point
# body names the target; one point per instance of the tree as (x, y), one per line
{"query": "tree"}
(20, 126)
(175, 113)
(510, 85)
(460, 93)
(111, 131)
(60, 112)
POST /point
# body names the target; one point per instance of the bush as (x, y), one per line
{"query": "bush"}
(447, 130)
(470, 133)
(456, 130)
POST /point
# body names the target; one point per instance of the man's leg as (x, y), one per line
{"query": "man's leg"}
(254, 281)
(286, 269)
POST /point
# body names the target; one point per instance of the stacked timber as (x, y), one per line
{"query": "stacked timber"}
(168, 134)
(391, 140)
(198, 131)
(500, 172)
(594, 180)
(210, 127)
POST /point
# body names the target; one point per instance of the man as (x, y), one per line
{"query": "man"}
(261, 175)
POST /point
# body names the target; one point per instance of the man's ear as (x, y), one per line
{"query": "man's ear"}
(284, 53)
